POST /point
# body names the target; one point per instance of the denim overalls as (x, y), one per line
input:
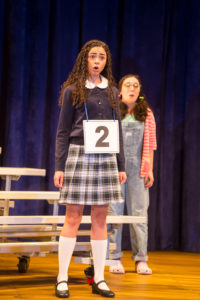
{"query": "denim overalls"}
(135, 194)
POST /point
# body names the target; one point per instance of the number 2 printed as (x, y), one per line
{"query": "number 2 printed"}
(100, 142)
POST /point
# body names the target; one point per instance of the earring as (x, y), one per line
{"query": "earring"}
(138, 99)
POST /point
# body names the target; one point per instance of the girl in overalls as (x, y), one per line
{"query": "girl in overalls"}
(87, 179)
(139, 134)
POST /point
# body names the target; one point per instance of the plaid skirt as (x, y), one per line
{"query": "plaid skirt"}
(90, 179)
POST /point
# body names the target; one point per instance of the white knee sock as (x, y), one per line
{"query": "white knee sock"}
(99, 250)
(65, 249)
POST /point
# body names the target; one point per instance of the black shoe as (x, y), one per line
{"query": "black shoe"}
(62, 294)
(104, 293)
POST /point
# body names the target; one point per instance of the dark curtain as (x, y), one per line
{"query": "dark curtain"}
(157, 39)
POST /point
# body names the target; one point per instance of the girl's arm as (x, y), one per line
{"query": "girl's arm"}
(64, 130)
(122, 177)
(149, 178)
(58, 179)
(120, 155)
(62, 137)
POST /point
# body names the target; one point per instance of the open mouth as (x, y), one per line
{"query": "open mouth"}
(96, 68)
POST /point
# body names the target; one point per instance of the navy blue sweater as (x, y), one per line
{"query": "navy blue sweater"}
(70, 125)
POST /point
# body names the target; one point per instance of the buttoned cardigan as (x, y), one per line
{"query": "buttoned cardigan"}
(70, 124)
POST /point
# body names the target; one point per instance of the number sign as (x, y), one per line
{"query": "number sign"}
(101, 136)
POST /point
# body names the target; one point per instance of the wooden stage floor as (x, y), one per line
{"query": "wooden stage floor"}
(176, 275)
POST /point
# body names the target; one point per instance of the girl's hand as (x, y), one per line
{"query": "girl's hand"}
(149, 179)
(122, 177)
(58, 179)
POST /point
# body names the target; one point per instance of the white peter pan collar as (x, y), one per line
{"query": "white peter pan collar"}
(102, 85)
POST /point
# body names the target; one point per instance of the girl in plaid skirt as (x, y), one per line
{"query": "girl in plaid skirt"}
(91, 179)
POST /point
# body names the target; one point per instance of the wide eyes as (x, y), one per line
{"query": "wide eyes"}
(134, 85)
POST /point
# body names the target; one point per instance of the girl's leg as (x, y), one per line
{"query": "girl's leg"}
(99, 242)
(137, 205)
(67, 242)
(116, 236)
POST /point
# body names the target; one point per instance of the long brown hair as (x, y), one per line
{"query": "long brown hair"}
(141, 106)
(79, 75)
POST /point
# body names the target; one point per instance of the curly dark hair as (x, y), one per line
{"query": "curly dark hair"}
(141, 106)
(79, 74)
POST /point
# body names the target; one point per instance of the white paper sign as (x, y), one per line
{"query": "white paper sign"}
(101, 136)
